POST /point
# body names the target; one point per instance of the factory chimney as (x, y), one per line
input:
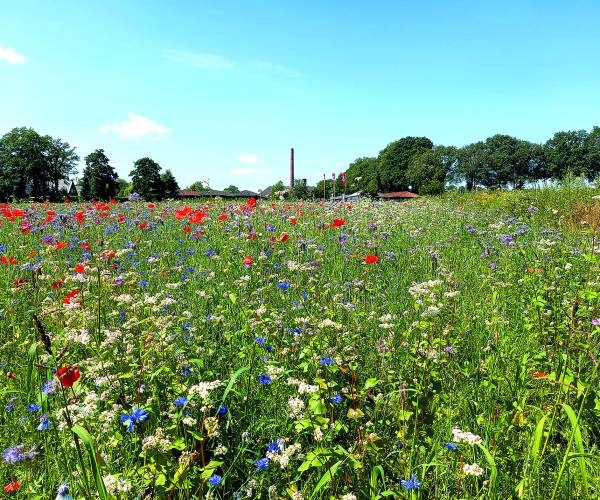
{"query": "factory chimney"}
(292, 168)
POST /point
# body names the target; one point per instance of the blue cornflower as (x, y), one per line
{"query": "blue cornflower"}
(260, 340)
(144, 283)
(222, 410)
(270, 228)
(326, 361)
(283, 286)
(215, 480)
(2, 249)
(262, 463)
(263, 378)
(276, 446)
(451, 446)
(11, 404)
(269, 348)
(181, 401)
(34, 408)
(470, 228)
(186, 370)
(493, 266)
(507, 239)
(44, 423)
(412, 483)
(63, 492)
(136, 415)
(304, 295)
(336, 399)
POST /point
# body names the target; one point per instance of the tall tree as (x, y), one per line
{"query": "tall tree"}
(395, 158)
(428, 170)
(169, 184)
(99, 177)
(361, 172)
(568, 152)
(62, 163)
(593, 151)
(471, 165)
(145, 179)
(232, 189)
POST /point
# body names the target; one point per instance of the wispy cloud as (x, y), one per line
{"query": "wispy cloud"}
(11, 56)
(250, 159)
(277, 68)
(202, 60)
(137, 126)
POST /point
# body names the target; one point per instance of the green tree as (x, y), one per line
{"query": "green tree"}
(277, 190)
(395, 159)
(99, 177)
(568, 152)
(146, 180)
(593, 151)
(124, 188)
(199, 186)
(231, 189)
(300, 191)
(62, 163)
(169, 183)
(432, 165)
(471, 165)
(361, 172)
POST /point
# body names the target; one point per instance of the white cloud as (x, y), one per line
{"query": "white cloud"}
(242, 171)
(202, 60)
(11, 56)
(250, 159)
(265, 171)
(137, 126)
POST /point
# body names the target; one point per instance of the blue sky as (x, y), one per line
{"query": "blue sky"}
(222, 90)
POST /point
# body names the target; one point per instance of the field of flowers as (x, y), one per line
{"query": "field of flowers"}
(432, 349)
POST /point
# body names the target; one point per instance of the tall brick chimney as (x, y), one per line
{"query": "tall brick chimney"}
(291, 168)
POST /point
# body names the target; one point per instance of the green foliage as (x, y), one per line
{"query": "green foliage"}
(34, 165)
(362, 172)
(146, 180)
(169, 185)
(231, 189)
(278, 190)
(300, 190)
(199, 186)
(395, 159)
(99, 177)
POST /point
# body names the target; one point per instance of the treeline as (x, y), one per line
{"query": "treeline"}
(501, 161)
(40, 167)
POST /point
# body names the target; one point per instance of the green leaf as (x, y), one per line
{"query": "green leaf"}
(88, 442)
(325, 478)
(232, 380)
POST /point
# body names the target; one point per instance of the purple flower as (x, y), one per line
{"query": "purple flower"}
(507, 239)
(596, 322)
(493, 266)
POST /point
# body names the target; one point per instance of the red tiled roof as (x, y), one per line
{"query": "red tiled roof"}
(188, 192)
(399, 194)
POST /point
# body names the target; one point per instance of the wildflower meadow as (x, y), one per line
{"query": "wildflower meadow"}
(438, 348)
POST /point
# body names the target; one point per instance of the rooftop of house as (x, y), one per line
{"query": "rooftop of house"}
(398, 194)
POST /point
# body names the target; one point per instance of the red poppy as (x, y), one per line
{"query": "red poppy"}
(223, 217)
(143, 225)
(151, 206)
(57, 285)
(112, 201)
(71, 295)
(248, 261)
(251, 203)
(67, 201)
(68, 375)
(60, 244)
(187, 229)
(80, 268)
(539, 374)
(85, 246)
(10, 260)
(371, 259)
(19, 282)
(338, 222)
(294, 220)
(284, 237)
(10, 487)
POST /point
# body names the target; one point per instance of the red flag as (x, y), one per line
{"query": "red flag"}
(344, 178)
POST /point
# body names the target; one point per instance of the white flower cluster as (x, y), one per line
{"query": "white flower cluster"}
(472, 469)
(158, 441)
(296, 406)
(282, 456)
(203, 388)
(459, 436)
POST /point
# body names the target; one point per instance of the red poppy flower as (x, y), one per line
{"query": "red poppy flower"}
(338, 222)
(80, 268)
(57, 285)
(71, 295)
(67, 201)
(539, 374)
(223, 217)
(10, 260)
(10, 487)
(251, 203)
(294, 220)
(19, 282)
(68, 375)
(371, 259)
(151, 206)
(85, 246)
(112, 201)
(59, 245)
(143, 225)
(187, 229)
(248, 261)
(284, 237)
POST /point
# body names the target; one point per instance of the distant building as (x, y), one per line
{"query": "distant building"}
(348, 197)
(397, 196)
